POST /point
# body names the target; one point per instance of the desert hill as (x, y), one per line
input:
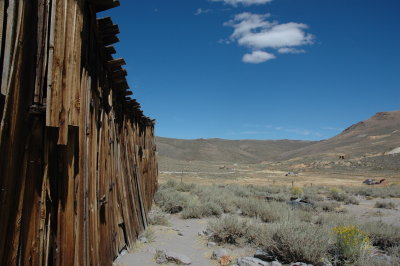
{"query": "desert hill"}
(378, 136)
(222, 150)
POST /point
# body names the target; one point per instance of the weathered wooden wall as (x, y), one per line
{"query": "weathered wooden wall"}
(78, 167)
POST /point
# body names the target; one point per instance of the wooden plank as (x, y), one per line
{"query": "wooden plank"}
(8, 45)
(110, 39)
(41, 57)
(103, 5)
(116, 63)
(119, 73)
(57, 53)
(67, 79)
(77, 75)
(109, 50)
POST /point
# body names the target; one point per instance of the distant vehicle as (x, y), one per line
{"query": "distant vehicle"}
(292, 174)
(373, 181)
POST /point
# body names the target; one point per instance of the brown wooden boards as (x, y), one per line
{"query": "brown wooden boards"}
(78, 168)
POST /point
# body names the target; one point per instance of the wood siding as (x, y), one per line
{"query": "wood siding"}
(78, 168)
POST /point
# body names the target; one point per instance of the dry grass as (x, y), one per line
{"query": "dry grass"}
(260, 217)
(385, 205)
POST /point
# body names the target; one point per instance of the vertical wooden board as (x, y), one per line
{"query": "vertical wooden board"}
(42, 50)
(10, 33)
(81, 218)
(2, 3)
(66, 215)
(30, 223)
(67, 71)
(13, 137)
(77, 58)
(56, 64)
(93, 189)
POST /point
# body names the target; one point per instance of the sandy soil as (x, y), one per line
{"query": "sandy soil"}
(189, 244)
(366, 211)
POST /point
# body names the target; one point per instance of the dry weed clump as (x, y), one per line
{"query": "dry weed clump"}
(341, 196)
(158, 219)
(296, 191)
(296, 241)
(267, 212)
(229, 229)
(351, 243)
(219, 196)
(385, 205)
(170, 200)
(382, 235)
(328, 206)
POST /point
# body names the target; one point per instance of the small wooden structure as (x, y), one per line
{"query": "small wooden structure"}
(78, 167)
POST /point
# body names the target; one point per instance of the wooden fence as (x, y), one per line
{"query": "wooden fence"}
(78, 167)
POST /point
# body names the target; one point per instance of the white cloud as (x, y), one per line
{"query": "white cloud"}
(286, 50)
(257, 57)
(255, 32)
(200, 11)
(243, 2)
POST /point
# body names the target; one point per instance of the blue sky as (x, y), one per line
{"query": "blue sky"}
(260, 69)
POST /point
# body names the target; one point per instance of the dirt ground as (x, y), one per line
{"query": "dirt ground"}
(182, 234)
(189, 243)
(259, 175)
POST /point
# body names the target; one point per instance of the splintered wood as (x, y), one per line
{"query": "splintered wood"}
(78, 167)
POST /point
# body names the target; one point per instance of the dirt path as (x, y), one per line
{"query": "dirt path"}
(169, 238)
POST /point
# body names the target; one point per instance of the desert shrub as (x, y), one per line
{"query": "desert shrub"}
(193, 209)
(313, 197)
(158, 219)
(340, 196)
(304, 216)
(212, 208)
(169, 184)
(148, 234)
(250, 206)
(293, 241)
(266, 211)
(385, 205)
(337, 195)
(240, 191)
(229, 229)
(382, 235)
(351, 243)
(197, 209)
(330, 220)
(296, 191)
(220, 196)
(351, 200)
(327, 206)
(281, 197)
(170, 200)
(394, 251)
(185, 187)
(257, 233)
(276, 189)
(273, 212)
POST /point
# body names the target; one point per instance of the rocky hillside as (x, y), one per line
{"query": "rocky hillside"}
(377, 136)
(221, 150)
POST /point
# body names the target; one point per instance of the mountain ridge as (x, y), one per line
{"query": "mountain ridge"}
(375, 136)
